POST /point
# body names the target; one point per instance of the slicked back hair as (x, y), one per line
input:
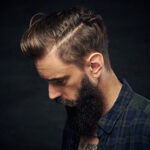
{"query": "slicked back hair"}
(75, 32)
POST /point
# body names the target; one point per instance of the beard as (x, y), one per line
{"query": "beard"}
(83, 115)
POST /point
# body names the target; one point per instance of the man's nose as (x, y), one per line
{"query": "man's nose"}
(54, 91)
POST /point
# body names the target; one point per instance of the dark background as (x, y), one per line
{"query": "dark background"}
(28, 119)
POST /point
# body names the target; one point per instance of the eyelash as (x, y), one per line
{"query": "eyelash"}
(59, 82)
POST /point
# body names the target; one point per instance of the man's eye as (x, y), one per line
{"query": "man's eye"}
(58, 82)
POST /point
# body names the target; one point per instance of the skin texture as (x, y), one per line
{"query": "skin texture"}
(88, 143)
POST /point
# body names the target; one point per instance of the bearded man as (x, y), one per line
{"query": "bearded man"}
(70, 50)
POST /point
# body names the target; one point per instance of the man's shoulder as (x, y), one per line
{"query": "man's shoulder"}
(137, 116)
(140, 103)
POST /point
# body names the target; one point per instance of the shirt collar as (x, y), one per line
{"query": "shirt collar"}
(108, 121)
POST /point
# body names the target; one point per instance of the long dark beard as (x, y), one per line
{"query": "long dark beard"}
(83, 118)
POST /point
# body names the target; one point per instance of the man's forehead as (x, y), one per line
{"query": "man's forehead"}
(51, 66)
(51, 73)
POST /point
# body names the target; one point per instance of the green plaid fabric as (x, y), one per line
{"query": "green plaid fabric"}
(125, 127)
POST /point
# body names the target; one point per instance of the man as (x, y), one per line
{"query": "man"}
(70, 51)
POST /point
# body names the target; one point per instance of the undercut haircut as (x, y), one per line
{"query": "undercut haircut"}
(75, 32)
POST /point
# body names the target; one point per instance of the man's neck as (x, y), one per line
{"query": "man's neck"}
(110, 87)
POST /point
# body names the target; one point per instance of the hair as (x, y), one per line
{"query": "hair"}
(75, 32)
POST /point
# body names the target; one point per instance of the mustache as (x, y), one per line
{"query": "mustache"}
(65, 102)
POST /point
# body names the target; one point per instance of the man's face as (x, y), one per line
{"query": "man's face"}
(63, 80)
(71, 86)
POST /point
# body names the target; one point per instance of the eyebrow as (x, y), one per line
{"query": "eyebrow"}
(59, 78)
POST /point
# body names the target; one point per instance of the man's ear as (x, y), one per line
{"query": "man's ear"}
(95, 64)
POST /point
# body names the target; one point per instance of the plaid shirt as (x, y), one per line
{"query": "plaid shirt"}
(125, 127)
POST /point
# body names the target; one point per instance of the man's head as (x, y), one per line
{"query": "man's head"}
(67, 41)
(69, 48)
(76, 88)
